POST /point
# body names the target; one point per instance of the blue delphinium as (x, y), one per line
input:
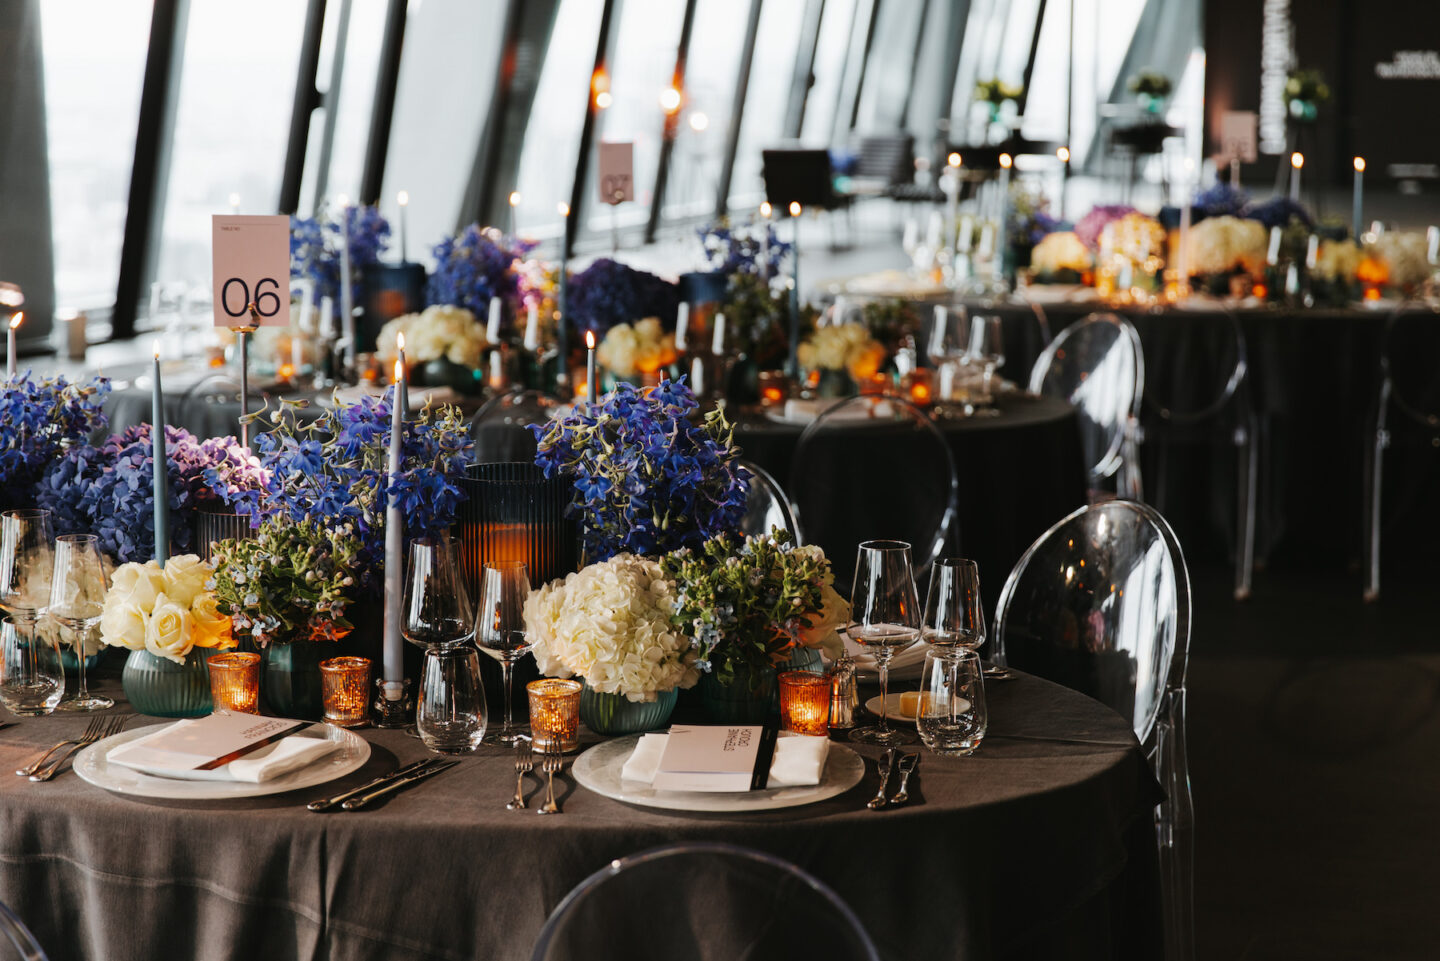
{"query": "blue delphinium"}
(647, 479)
(731, 250)
(1278, 212)
(39, 420)
(1220, 200)
(475, 266)
(315, 248)
(608, 293)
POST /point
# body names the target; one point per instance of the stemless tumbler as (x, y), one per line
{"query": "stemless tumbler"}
(32, 679)
(951, 717)
(450, 715)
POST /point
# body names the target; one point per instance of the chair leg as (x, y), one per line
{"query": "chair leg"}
(1175, 832)
(1373, 477)
(1245, 511)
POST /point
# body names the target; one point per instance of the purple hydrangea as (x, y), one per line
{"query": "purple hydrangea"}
(1220, 200)
(608, 293)
(39, 420)
(475, 266)
(315, 248)
(1092, 224)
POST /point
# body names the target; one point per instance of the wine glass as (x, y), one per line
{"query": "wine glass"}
(886, 612)
(77, 600)
(31, 684)
(500, 632)
(450, 713)
(987, 348)
(435, 612)
(948, 349)
(954, 613)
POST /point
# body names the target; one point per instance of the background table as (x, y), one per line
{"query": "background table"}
(1041, 843)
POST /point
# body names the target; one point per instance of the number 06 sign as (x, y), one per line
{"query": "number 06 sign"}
(252, 266)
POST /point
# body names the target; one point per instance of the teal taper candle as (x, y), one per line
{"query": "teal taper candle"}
(162, 481)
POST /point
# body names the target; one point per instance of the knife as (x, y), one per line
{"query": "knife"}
(325, 804)
(356, 803)
(760, 779)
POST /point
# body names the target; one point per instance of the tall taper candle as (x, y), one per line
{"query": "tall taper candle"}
(492, 326)
(347, 295)
(765, 211)
(1297, 160)
(532, 328)
(792, 365)
(562, 339)
(394, 665)
(592, 382)
(10, 345)
(514, 202)
(402, 199)
(1357, 202)
(157, 452)
(717, 340)
(682, 325)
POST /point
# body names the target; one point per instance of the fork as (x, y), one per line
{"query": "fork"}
(524, 764)
(550, 762)
(90, 732)
(110, 727)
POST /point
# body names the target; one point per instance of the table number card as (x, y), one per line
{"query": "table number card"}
(709, 757)
(251, 259)
(1238, 139)
(617, 170)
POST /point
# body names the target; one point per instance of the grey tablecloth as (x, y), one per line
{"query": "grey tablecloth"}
(1039, 845)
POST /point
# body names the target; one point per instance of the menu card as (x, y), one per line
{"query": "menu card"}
(203, 744)
(709, 758)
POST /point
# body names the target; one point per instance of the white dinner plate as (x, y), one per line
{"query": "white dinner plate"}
(892, 703)
(599, 770)
(92, 765)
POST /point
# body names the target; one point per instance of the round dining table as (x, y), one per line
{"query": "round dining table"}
(1041, 844)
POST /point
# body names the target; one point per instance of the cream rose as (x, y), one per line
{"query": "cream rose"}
(137, 584)
(169, 631)
(185, 578)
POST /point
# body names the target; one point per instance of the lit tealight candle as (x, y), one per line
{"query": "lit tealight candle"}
(805, 702)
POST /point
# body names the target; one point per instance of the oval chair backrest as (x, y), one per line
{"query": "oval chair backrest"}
(1101, 604)
(1184, 388)
(1096, 364)
(23, 946)
(720, 901)
(767, 506)
(1410, 362)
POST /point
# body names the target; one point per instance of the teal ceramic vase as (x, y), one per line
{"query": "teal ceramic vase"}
(290, 679)
(615, 714)
(159, 687)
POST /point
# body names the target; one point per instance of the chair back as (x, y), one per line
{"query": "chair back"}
(1101, 604)
(22, 945)
(874, 468)
(216, 388)
(801, 175)
(501, 428)
(705, 901)
(1410, 363)
(888, 157)
(1189, 386)
(766, 506)
(1096, 364)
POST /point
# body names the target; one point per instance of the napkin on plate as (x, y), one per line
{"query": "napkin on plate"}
(799, 760)
(285, 755)
(801, 411)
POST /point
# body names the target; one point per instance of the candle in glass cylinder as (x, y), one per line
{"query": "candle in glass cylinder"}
(235, 682)
(158, 454)
(344, 683)
(554, 713)
(394, 668)
(805, 702)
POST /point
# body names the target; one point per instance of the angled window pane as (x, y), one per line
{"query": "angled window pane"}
(643, 65)
(94, 53)
(768, 95)
(714, 65)
(829, 70)
(236, 90)
(892, 58)
(356, 100)
(552, 137)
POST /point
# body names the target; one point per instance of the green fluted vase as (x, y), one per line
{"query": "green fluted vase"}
(290, 679)
(615, 714)
(159, 687)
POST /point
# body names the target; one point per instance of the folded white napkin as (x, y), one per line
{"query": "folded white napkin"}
(282, 757)
(906, 657)
(802, 411)
(799, 759)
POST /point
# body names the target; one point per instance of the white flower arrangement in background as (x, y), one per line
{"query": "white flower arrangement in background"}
(1405, 256)
(1338, 260)
(846, 347)
(442, 331)
(1058, 251)
(1219, 245)
(167, 611)
(641, 349)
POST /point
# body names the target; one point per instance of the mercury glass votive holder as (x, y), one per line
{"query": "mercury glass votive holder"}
(805, 702)
(344, 689)
(554, 714)
(774, 388)
(235, 682)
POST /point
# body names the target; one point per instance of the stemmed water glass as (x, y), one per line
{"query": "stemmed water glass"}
(948, 348)
(886, 617)
(500, 632)
(987, 348)
(954, 614)
(77, 600)
(31, 683)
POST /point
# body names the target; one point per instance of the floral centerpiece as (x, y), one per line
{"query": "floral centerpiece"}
(1305, 90)
(608, 293)
(644, 348)
(996, 91)
(1337, 265)
(167, 618)
(847, 350)
(756, 317)
(647, 479)
(1060, 258)
(1092, 224)
(40, 419)
(1219, 200)
(1404, 257)
(1151, 88)
(538, 285)
(315, 247)
(1028, 222)
(754, 249)
(752, 603)
(475, 266)
(439, 332)
(1132, 249)
(1225, 247)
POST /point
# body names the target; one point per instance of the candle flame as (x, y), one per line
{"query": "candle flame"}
(794, 208)
(235, 200)
(670, 99)
(1297, 160)
(156, 347)
(342, 200)
(1006, 160)
(953, 160)
(1064, 154)
(564, 208)
(589, 340)
(514, 198)
(766, 210)
(400, 341)
(1359, 165)
(15, 321)
(403, 198)
(698, 121)
(603, 100)
(399, 371)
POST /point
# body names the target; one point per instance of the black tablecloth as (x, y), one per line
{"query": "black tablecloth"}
(1040, 845)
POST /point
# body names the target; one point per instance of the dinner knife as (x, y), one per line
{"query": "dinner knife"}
(325, 804)
(356, 803)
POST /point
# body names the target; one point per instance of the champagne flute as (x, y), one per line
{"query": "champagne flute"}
(500, 632)
(31, 685)
(77, 600)
(987, 348)
(954, 613)
(886, 612)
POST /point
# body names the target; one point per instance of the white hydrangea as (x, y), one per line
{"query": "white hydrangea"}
(1060, 250)
(441, 331)
(1219, 245)
(610, 624)
(1404, 254)
(643, 348)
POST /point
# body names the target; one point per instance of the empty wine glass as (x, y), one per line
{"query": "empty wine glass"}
(29, 684)
(951, 716)
(886, 617)
(436, 610)
(954, 613)
(77, 600)
(500, 632)
(450, 714)
(987, 348)
(948, 348)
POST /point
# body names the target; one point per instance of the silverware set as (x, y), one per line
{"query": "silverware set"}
(98, 729)
(396, 780)
(551, 762)
(908, 763)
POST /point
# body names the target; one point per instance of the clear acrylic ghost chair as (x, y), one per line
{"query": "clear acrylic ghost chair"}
(1096, 364)
(874, 468)
(1410, 388)
(1101, 603)
(217, 388)
(1226, 395)
(500, 428)
(721, 901)
(767, 506)
(18, 944)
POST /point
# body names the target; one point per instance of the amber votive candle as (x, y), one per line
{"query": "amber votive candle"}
(774, 388)
(344, 687)
(805, 702)
(235, 682)
(554, 714)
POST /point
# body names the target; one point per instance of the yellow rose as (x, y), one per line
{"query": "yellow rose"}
(212, 629)
(185, 578)
(169, 630)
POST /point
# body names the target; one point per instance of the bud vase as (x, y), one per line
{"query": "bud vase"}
(159, 687)
(615, 714)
